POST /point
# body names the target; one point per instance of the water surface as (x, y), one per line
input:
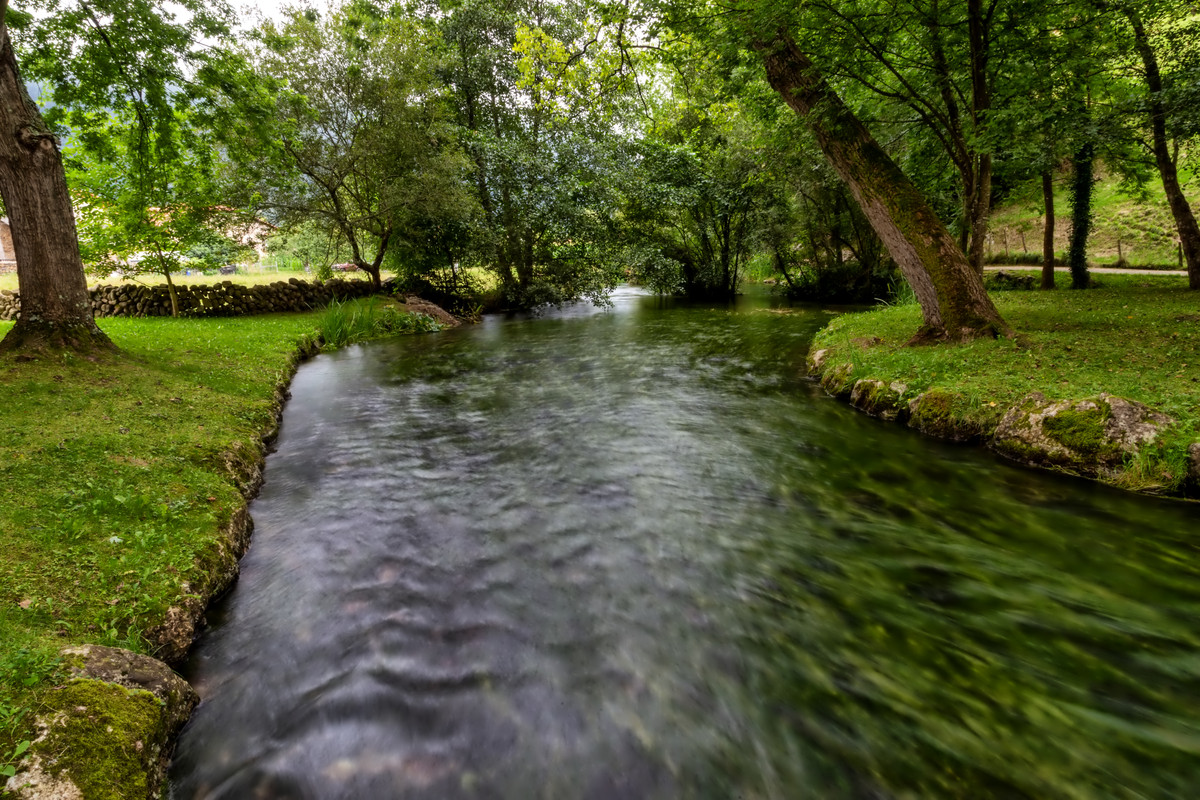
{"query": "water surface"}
(632, 553)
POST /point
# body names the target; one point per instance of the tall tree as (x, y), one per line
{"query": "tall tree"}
(1160, 111)
(56, 310)
(359, 142)
(539, 91)
(92, 59)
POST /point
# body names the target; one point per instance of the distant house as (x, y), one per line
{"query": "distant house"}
(8, 258)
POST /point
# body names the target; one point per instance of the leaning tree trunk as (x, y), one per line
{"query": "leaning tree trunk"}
(56, 310)
(1181, 210)
(1048, 231)
(953, 301)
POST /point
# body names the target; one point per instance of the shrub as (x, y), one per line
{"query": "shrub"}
(344, 323)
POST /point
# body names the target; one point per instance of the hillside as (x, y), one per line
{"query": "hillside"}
(1137, 228)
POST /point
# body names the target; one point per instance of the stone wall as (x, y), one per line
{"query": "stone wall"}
(224, 299)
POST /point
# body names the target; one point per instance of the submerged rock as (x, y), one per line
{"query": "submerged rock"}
(1089, 437)
(107, 733)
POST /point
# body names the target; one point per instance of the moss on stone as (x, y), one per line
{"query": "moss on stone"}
(839, 380)
(946, 415)
(104, 738)
(1082, 430)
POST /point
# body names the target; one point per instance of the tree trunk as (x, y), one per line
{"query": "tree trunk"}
(981, 104)
(172, 293)
(1081, 215)
(56, 310)
(1048, 232)
(953, 301)
(1181, 210)
(981, 211)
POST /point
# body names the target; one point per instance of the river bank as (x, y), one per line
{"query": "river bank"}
(129, 482)
(1103, 384)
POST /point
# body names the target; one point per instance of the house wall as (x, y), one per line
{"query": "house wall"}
(8, 261)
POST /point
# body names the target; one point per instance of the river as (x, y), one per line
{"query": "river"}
(633, 553)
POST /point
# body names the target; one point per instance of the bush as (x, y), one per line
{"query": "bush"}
(848, 282)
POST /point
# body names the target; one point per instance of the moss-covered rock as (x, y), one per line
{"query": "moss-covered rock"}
(1094, 437)
(109, 732)
(880, 399)
(945, 415)
(839, 380)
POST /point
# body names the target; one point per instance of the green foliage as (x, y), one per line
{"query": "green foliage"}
(10, 760)
(123, 84)
(358, 142)
(540, 93)
(350, 322)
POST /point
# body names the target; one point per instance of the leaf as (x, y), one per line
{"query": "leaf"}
(21, 748)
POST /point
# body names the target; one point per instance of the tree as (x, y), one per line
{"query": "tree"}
(1162, 108)
(56, 309)
(703, 189)
(146, 198)
(93, 59)
(360, 144)
(953, 301)
(540, 90)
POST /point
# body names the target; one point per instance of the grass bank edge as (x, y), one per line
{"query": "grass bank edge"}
(130, 474)
(1135, 337)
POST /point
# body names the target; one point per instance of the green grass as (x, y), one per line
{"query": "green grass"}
(1133, 336)
(345, 323)
(115, 483)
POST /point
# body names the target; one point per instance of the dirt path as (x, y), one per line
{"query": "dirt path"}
(1097, 270)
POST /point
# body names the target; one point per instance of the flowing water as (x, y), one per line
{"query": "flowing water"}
(631, 553)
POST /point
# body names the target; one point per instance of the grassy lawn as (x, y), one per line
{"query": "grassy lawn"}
(1136, 337)
(115, 484)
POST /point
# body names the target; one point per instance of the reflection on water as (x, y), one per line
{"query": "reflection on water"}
(632, 554)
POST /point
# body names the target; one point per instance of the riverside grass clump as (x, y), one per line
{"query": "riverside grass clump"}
(119, 475)
(1131, 336)
(343, 323)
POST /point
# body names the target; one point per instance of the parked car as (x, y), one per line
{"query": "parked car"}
(347, 267)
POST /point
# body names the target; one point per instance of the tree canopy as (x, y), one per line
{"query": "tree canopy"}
(561, 147)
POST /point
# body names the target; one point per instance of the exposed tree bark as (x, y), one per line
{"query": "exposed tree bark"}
(56, 310)
(1181, 210)
(1081, 215)
(981, 98)
(954, 303)
(1048, 231)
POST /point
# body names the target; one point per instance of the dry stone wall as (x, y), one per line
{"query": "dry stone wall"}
(224, 299)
